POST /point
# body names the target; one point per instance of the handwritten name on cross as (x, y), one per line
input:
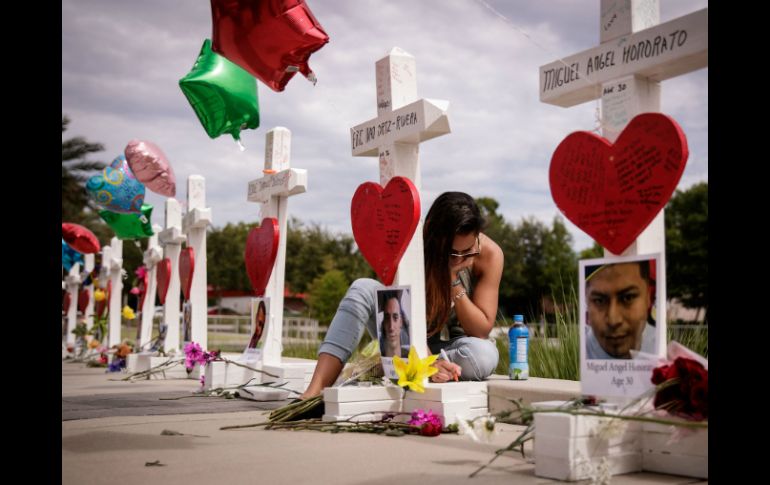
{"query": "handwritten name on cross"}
(402, 122)
(273, 191)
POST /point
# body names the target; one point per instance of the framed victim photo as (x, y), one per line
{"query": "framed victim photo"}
(394, 312)
(260, 309)
(622, 313)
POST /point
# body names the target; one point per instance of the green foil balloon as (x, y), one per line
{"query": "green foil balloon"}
(223, 95)
(130, 226)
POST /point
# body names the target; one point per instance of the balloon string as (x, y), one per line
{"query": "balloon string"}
(598, 118)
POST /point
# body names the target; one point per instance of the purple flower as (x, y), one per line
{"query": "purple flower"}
(429, 423)
(193, 353)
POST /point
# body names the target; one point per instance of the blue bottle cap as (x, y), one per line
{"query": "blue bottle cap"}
(518, 318)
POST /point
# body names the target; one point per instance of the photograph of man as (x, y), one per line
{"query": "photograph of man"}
(619, 302)
(259, 324)
(394, 325)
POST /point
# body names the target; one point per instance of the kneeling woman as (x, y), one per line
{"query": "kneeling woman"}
(463, 268)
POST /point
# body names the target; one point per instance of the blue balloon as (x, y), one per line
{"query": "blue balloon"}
(117, 189)
(69, 257)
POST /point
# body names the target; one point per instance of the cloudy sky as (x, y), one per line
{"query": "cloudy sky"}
(122, 60)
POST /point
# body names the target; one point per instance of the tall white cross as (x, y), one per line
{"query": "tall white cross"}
(73, 286)
(112, 259)
(635, 54)
(89, 311)
(194, 225)
(273, 191)
(152, 255)
(394, 136)
(171, 238)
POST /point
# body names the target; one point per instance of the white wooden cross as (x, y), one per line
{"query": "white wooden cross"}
(152, 255)
(72, 281)
(636, 52)
(113, 260)
(171, 238)
(402, 122)
(272, 191)
(90, 260)
(194, 226)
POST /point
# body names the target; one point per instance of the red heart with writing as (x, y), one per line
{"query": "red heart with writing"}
(83, 298)
(186, 269)
(384, 221)
(261, 250)
(613, 191)
(163, 278)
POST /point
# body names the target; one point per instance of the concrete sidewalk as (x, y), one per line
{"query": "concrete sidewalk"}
(112, 429)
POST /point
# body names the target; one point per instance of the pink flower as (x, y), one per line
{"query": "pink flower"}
(134, 291)
(141, 272)
(429, 423)
(203, 380)
(193, 353)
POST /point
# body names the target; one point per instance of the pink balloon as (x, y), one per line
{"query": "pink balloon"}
(151, 167)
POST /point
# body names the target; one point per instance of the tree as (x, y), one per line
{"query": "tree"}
(687, 246)
(595, 251)
(225, 250)
(75, 172)
(326, 292)
(539, 261)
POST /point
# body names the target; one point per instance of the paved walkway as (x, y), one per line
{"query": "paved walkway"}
(112, 430)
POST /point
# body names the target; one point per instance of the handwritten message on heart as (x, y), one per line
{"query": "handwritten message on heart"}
(163, 278)
(613, 191)
(384, 221)
(186, 270)
(261, 250)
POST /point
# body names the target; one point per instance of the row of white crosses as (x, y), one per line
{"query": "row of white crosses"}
(171, 239)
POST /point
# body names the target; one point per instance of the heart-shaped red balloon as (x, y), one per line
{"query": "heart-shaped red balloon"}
(164, 278)
(186, 269)
(261, 250)
(83, 298)
(79, 238)
(613, 191)
(384, 221)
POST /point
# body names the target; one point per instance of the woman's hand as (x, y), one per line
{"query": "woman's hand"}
(456, 268)
(447, 371)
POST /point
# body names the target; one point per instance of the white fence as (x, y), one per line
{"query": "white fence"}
(293, 327)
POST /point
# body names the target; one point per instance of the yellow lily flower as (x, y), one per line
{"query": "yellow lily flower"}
(128, 313)
(415, 371)
(99, 295)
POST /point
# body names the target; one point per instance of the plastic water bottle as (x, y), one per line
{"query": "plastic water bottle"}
(518, 349)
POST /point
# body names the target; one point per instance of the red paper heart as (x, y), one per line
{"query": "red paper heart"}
(164, 278)
(384, 222)
(261, 250)
(83, 298)
(186, 269)
(613, 191)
